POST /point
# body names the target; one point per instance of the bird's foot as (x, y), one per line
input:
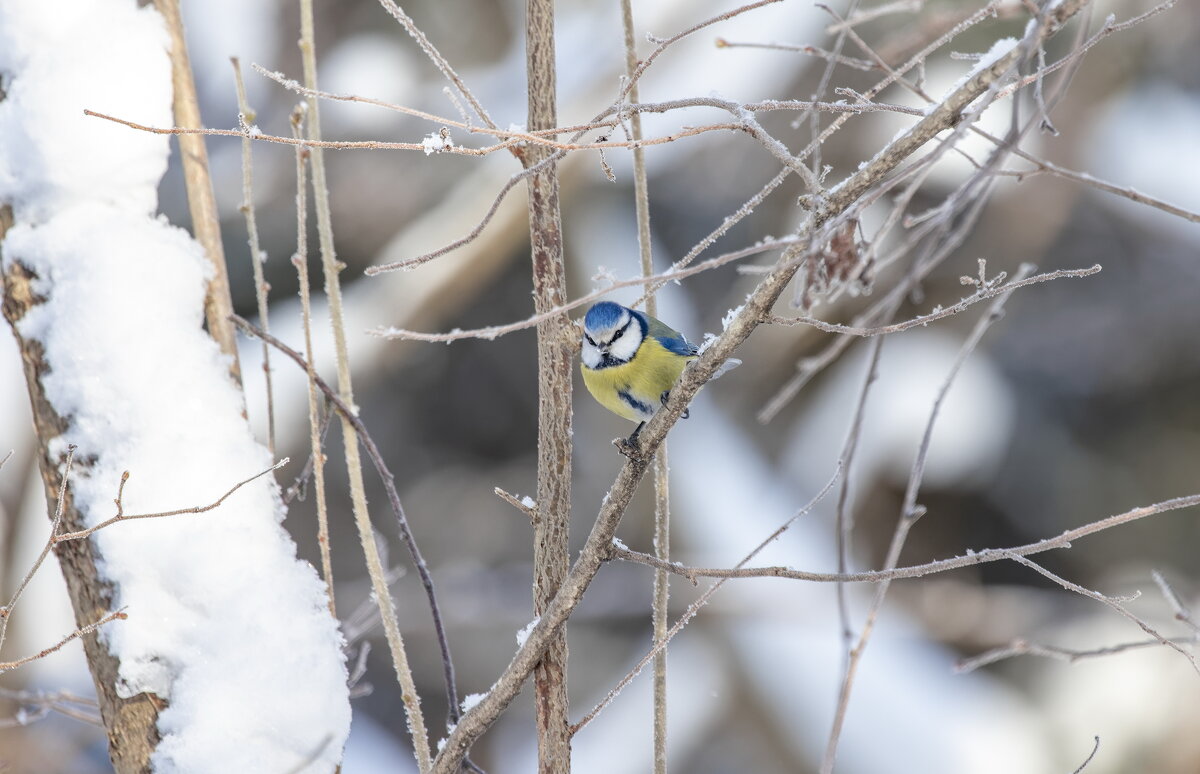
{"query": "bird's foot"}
(630, 446)
(665, 397)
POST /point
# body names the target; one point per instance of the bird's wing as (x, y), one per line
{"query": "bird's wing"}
(671, 339)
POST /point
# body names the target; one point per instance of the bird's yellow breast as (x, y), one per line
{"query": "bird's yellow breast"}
(634, 390)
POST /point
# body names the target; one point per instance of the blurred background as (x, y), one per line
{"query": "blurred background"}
(1080, 403)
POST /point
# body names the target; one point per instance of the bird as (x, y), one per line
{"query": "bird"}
(630, 361)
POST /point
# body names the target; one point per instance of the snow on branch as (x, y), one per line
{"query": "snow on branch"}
(224, 621)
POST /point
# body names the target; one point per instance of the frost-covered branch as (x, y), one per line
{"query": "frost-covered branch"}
(122, 516)
(982, 294)
(969, 559)
(1115, 604)
(495, 331)
(6, 666)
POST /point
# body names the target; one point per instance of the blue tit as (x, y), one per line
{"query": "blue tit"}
(631, 361)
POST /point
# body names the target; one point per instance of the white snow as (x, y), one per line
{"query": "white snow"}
(436, 143)
(472, 699)
(528, 502)
(223, 620)
(985, 60)
(526, 631)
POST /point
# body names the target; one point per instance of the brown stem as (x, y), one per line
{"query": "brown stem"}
(555, 359)
(206, 223)
(130, 723)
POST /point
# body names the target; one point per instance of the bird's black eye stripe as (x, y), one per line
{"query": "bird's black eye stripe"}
(588, 339)
(621, 332)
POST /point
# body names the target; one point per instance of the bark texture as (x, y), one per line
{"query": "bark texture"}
(130, 724)
(555, 362)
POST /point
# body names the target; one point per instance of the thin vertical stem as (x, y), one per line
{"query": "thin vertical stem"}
(662, 494)
(202, 203)
(555, 360)
(362, 519)
(300, 261)
(257, 257)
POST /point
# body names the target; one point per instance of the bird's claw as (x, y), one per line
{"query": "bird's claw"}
(629, 447)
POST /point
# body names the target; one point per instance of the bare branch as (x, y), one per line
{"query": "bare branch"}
(495, 331)
(1182, 613)
(1111, 602)
(529, 509)
(6, 666)
(121, 516)
(969, 559)
(939, 314)
(1092, 754)
(79, 708)
(1022, 647)
(55, 523)
(870, 14)
(257, 256)
(436, 57)
(202, 201)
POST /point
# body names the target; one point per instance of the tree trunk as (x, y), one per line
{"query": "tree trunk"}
(131, 724)
(555, 360)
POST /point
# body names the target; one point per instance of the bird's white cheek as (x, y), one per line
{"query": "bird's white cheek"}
(626, 347)
(590, 355)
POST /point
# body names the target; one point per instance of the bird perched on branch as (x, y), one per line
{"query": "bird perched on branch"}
(631, 361)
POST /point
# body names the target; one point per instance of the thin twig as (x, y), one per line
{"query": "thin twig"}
(870, 14)
(969, 559)
(299, 486)
(55, 523)
(79, 708)
(331, 268)
(662, 497)
(939, 314)
(1022, 647)
(843, 521)
(6, 666)
(495, 331)
(848, 61)
(1111, 602)
(317, 425)
(257, 256)
(1092, 754)
(436, 57)
(1182, 613)
(122, 516)
(529, 509)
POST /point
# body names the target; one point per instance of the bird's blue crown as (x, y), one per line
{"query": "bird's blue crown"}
(603, 315)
